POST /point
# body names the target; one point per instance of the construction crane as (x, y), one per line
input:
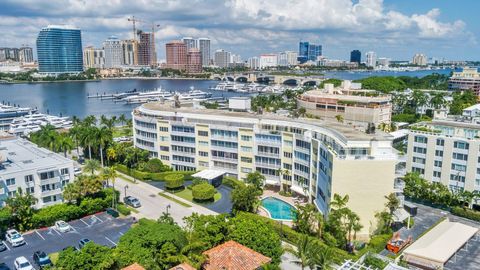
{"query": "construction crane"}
(135, 20)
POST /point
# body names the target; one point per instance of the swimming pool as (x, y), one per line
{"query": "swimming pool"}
(278, 209)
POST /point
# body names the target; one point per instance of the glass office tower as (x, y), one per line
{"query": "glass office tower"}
(59, 49)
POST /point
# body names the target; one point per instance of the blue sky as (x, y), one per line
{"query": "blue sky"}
(393, 28)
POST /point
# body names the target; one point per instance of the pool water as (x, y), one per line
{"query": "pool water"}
(278, 209)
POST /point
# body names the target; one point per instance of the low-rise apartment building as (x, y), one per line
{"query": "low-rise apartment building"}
(447, 150)
(35, 170)
(311, 157)
(467, 79)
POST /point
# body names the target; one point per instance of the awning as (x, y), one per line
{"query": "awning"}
(209, 174)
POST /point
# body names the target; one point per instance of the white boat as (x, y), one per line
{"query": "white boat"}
(33, 122)
(228, 86)
(155, 94)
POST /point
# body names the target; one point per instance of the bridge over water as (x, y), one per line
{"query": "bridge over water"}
(268, 78)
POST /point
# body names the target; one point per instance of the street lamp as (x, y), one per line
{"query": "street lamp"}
(125, 188)
(168, 207)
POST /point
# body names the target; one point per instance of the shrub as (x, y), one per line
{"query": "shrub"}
(232, 182)
(378, 242)
(285, 193)
(123, 209)
(155, 165)
(174, 181)
(197, 181)
(466, 213)
(203, 192)
(374, 263)
(48, 215)
(91, 206)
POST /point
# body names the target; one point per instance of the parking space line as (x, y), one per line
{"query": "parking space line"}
(99, 219)
(121, 233)
(6, 245)
(84, 222)
(110, 241)
(56, 231)
(39, 235)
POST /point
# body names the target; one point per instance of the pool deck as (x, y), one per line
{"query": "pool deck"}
(290, 200)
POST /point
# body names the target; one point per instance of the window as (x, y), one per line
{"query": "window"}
(287, 143)
(302, 156)
(28, 179)
(183, 159)
(163, 129)
(226, 144)
(268, 150)
(457, 177)
(203, 143)
(420, 150)
(164, 138)
(441, 142)
(246, 159)
(460, 156)
(287, 154)
(203, 164)
(302, 144)
(439, 153)
(185, 129)
(162, 157)
(246, 138)
(47, 175)
(202, 133)
(459, 167)
(64, 171)
(30, 190)
(419, 170)
(203, 153)
(176, 138)
(10, 181)
(437, 163)
(437, 174)
(267, 160)
(183, 149)
(246, 149)
(246, 170)
(420, 139)
(224, 133)
(461, 145)
(302, 168)
(419, 160)
(12, 193)
(287, 166)
(164, 148)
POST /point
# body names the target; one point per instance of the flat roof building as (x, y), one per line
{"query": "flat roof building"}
(467, 79)
(36, 170)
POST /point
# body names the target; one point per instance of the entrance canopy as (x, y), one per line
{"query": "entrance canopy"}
(436, 247)
(214, 177)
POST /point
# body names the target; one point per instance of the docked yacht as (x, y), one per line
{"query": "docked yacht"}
(228, 86)
(27, 124)
(9, 113)
(148, 96)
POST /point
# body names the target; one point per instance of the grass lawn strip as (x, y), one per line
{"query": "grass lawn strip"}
(166, 195)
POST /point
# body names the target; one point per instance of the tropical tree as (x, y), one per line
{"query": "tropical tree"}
(339, 118)
(89, 138)
(72, 192)
(305, 251)
(122, 119)
(88, 184)
(91, 256)
(256, 179)
(245, 198)
(64, 143)
(111, 154)
(21, 207)
(109, 173)
(104, 136)
(283, 172)
(437, 100)
(91, 166)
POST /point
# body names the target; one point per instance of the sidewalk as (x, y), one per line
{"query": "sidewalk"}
(153, 205)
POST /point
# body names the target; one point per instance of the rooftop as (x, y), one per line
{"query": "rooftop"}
(19, 155)
(234, 256)
(62, 26)
(136, 266)
(183, 266)
(346, 95)
(339, 129)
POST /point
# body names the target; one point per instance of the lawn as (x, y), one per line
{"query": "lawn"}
(187, 195)
(122, 131)
(165, 195)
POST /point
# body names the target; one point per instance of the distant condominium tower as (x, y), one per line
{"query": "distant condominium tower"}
(93, 57)
(291, 58)
(222, 58)
(419, 59)
(204, 46)
(190, 42)
(467, 79)
(356, 56)
(147, 55)
(130, 52)
(253, 62)
(176, 52)
(59, 49)
(371, 59)
(282, 59)
(3, 54)
(268, 60)
(194, 61)
(308, 51)
(113, 52)
(25, 55)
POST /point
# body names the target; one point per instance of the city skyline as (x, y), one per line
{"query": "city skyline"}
(391, 29)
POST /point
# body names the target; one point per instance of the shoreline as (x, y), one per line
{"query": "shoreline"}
(114, 78)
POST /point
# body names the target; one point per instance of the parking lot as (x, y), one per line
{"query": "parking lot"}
(100, 228)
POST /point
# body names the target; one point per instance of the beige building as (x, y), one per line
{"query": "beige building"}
(355, 106)
(310, 157)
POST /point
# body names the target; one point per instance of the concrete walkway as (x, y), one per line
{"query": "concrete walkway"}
(153, 205)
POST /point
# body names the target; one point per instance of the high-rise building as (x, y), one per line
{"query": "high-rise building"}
(147, 55)
(130, 52)
(204, 46)
(268, 60)
(113, 52)
(308, 52)
(292, 58)
(222, 58)
(3, 54)
(25, 55)
(235, 58)
(253, 62)
(371, 59)
(176, 52)
(59, 49)
(190, 42)
(383, 61)
(467, 79)
(419, 59)
(282, 59)
(194, 61)
(13, 54)
(93, 58)
(356, 56)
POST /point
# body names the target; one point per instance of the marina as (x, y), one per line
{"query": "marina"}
(23, 126)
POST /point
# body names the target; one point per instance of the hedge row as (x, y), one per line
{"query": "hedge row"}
(203, 192)
(466, 213)
(232, 182)
(174, 181)
(150, 176)
(123, 209)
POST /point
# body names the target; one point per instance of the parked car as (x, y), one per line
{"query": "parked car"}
(41, 259)
(14, 238)
(62, 226)
(21, 263)
(3, 247)
(77, 171)
(83, 242)
(132, 201)
(3, 266)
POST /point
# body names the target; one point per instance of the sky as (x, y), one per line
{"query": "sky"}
(392, 28)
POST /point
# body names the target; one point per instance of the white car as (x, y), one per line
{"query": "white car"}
(14, 238)
(21, 263)
(62, 226)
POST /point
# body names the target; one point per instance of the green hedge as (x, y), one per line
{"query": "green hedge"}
(466, 213)
(151, 176)
(174, 181)
(123, 209)
(203, 192)
(232, 182)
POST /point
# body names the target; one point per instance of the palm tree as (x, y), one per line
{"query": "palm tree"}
(111, 154)
(104, 136)
(91, 166)
(89, 138)
(324, 258)
(89, 121)
(109, 173)
(89, 184)
(339, 118)
(438, 100)
(419, 98)
(122, 119)
(75, 132)
(304, 251)
(353, 224)
(64, 143)
(21, 207)
(339, 202)
(71, 192)
(281, 173)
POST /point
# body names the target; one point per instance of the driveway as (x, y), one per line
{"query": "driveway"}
(224, 205)
(100, 228)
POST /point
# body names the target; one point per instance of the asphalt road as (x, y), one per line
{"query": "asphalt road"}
(101, 229)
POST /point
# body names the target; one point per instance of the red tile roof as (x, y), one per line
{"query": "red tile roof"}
(233, 256)
(183, 266)
(134, 266)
